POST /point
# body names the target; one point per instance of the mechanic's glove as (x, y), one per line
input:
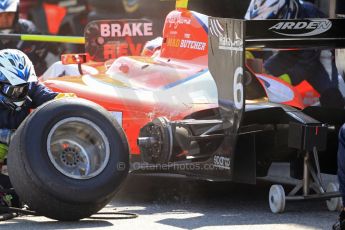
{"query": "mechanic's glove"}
(65, 95)
(3, 152)
(285, 77)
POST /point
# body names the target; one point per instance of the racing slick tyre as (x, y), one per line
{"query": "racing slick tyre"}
(277, 199)
(68, 158)
(334, 204)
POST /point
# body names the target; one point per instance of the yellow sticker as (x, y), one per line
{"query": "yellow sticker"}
(181, 4)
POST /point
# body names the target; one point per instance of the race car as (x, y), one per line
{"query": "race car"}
(192, 108)
(139, 88)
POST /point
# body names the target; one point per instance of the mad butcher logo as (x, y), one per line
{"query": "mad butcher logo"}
(302, 28)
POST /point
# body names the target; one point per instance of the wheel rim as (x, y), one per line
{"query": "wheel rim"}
(78, 148)
(277, 199)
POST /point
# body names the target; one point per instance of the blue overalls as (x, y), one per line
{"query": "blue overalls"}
(315, 66)
(38, 94)
(341, 162)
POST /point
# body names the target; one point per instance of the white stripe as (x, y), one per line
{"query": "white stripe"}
(211, 30)
(220, 26)
(216, 27)
(217, 33)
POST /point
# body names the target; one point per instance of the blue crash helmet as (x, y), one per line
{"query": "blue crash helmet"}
(273, 9)
(16, 73)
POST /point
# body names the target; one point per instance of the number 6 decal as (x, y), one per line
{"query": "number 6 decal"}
(238, 88)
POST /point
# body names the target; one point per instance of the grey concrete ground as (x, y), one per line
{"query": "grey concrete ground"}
(168, 203)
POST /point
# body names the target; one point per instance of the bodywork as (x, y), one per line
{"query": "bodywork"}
(218, 112)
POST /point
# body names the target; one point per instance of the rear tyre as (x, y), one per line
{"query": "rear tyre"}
(68, 158)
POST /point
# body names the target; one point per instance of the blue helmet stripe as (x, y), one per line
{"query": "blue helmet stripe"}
(4, 4)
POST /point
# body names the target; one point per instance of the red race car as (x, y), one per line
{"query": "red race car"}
(139, 88)
(192, 108)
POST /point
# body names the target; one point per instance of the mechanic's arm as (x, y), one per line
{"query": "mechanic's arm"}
(311, 69)
(39, 94)
(299, 65)
(280, 62)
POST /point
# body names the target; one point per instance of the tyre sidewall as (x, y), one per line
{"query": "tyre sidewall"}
(44, 175)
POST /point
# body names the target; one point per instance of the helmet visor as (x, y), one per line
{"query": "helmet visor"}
(7, 20)
(14, 92)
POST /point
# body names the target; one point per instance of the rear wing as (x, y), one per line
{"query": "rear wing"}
(229, 38)
(311, 33)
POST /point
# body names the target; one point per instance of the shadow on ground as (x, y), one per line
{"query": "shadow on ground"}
(216, 203)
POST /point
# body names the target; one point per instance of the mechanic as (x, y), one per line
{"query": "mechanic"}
(316, 66)
(20, 92)
(340, 225)
(10, 23)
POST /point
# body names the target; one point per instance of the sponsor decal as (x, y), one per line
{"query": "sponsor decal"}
(120, 39)
(108, 39)
(175, 20)
(216, 28)
(115, 50)
(126, 29)
(221, 162)
(187, 44)
(195, 45)
(302, 28)
(225, 42)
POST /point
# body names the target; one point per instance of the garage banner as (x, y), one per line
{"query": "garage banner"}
(110, 39)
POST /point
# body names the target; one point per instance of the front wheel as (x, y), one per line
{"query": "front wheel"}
(68, 158)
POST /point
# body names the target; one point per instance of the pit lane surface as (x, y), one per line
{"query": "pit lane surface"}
(170, 203)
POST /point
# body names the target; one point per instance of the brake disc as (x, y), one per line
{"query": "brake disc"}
(155, 141)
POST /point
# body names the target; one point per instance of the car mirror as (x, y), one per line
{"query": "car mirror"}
(79, 59)
(67, 59)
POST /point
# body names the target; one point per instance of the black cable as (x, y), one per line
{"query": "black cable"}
(7, 216)
(12, 212)
(17, 210)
